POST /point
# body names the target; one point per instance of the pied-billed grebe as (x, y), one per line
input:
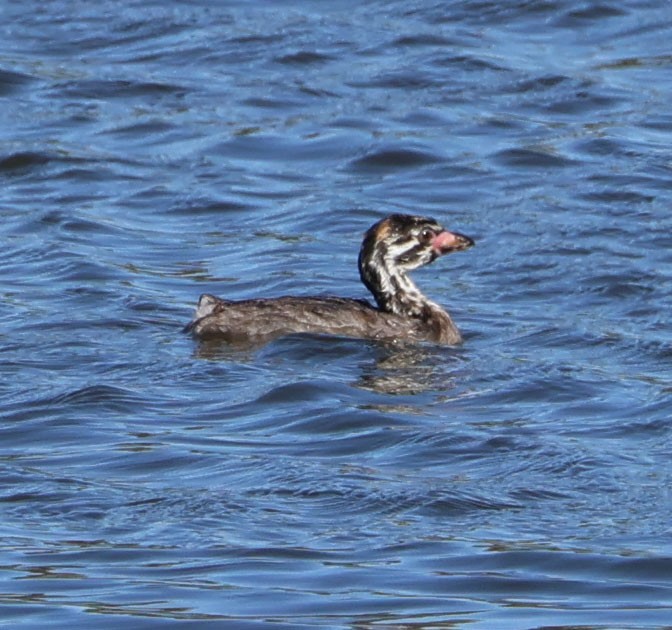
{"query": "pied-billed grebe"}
(391, 248)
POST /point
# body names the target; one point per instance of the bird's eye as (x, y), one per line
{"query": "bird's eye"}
(426, 235)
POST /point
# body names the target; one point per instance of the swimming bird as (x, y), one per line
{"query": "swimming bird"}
(391, 248)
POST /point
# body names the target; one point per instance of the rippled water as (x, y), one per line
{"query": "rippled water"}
(153, 151)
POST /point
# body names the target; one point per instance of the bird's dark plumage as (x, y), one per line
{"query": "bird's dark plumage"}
(391, 248)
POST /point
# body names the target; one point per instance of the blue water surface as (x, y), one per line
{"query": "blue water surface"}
(153, 151)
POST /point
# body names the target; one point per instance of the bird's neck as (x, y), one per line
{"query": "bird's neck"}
(394, 291)
(398, 294)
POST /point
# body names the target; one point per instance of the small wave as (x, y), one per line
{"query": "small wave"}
(303, 58)
(97, 394)
(531, 158)
(394, 159)
(23, 161)
(423, 39)
(10, 82)
(597, 12)
(95, 88)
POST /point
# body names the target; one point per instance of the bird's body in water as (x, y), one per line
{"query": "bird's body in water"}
(391, 248)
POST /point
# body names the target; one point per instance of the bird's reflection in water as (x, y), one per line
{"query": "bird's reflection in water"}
(410, 369)
(383, 367)
(220, 350)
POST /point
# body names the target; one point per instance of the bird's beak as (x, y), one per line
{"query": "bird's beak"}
(446, 242)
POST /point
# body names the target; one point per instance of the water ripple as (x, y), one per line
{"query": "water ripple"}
(160, 151)
(390, 159)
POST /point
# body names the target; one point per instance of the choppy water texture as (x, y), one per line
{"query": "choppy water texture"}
(152, 151)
